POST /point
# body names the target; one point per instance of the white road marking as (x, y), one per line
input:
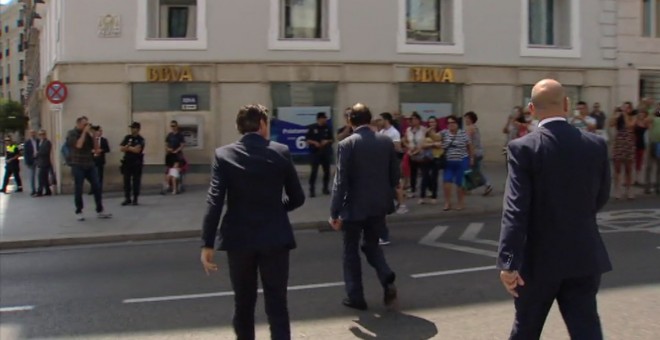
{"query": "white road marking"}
(437, 232)
(16, 309)
(473, 231)
(228, 293)
(452, 272)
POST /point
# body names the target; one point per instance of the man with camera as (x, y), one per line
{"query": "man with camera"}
(80, 143)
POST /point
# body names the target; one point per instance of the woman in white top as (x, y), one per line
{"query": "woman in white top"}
(414, 141)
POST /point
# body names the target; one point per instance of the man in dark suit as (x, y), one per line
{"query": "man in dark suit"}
(255, 231)
(30, 148)
(99, 154)
(362, 195)
(550, 246)
(44, 164)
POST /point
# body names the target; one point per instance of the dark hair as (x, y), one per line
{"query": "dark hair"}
(473, 116)
(249, 118)
(452, 118)
(416, 115)
(388, 117)
(80, 119)
(359, 115)
(582, 103)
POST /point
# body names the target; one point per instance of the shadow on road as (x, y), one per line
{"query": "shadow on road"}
(393, 325)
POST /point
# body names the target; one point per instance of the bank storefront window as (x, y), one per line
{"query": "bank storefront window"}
(572, 92)
(155, 97)
(295, 106)
(439, 100)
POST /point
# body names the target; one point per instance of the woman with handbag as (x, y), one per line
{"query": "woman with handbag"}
(459, 158)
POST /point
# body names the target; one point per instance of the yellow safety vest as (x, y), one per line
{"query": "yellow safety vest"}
(12, 148)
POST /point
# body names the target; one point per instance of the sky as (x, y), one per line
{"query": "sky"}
(5, 1)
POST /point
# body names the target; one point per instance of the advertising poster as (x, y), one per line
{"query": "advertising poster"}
(426, 110)
(290, 126)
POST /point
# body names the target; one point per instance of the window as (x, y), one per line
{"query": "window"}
(425, 20)
(572, 92)
(21, 42)
(171, 25)
(304, 19)
(21, 65)
(303, 25)
(430, 26)
(550, 28)
(651, 18)
(164, 97)
(649, 86)
(173, 19)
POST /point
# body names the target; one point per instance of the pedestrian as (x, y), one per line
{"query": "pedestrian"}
(582, 119)
(12, 165)
(433, 144)
(474, 134)
(414, 140)
(654, 153)
(131, 166)
(80, 143)
(459, 155)
(345, 130)
(623, 153)
(174, 143)
(550, 248)
(44, 164)
(255, 232)
(319, 139)
(363, 194)
(99, 154)
(641, 125)
(30, 147)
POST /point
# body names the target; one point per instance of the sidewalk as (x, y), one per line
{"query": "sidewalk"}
(46, 221)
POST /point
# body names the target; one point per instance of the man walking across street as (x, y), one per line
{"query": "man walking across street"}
(131, 166)
(255, 231)
(30, 148)
(368, 161)
(319, 138)
(12, 165)
(44, 164)
(550, 247)
(80, 143)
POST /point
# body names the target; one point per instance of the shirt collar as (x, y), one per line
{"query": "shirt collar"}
(550, 120)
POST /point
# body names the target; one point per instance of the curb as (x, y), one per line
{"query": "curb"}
(320, 226)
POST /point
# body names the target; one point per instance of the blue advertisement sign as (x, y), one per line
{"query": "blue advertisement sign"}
(291, 125)
(189, 102)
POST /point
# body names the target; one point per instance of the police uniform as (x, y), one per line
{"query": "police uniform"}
(320, 156)
(131, 167)
(12, 168)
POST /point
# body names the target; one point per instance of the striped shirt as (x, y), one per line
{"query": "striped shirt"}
(455, 145)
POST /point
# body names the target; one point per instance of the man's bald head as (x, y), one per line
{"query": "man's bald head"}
(548, 99)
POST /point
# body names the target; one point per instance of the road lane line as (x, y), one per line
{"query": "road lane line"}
(472, 232)
(16, 309)
(228, 293)
(452, 272)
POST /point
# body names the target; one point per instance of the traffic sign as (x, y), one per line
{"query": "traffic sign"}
(56, 92)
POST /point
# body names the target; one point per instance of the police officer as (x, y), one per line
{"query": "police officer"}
(133, 147)
(319, 138)
(12, 165)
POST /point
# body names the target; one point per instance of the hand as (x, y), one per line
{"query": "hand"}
(87, 128)
(207, 260)
(335, 223)
(511, 280)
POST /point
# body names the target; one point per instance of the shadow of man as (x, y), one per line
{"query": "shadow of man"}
(394, 325)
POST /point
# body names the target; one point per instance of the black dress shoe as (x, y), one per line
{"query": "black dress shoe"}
(312, 194)
(19, 190)
(125, 203)
(359, 305)
(326, 192)
(390, 295)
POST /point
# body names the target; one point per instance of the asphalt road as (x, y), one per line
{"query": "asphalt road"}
(448, 289)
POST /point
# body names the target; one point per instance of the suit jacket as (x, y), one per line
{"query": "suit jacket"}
(368, 171)
(43, 154)
(30, 152)
(100, 160)
(559, 178)
(251, 173)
